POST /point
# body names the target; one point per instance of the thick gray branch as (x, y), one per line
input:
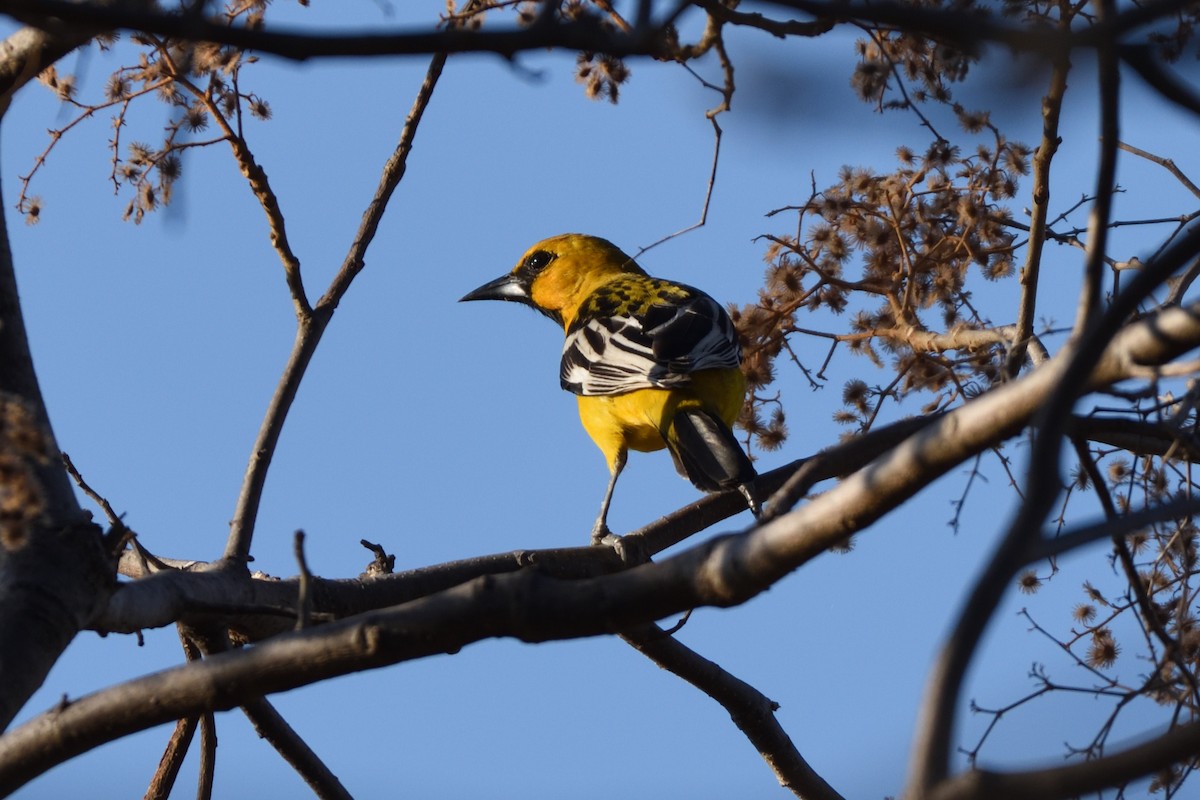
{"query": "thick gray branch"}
(54, 574)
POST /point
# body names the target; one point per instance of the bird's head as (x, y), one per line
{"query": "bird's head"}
(557, 274)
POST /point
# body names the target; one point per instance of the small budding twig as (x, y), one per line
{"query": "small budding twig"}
(118, 535)
(304, 599)
(113, 518)
(384, 563)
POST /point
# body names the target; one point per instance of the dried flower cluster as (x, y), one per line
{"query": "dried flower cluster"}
(894, 253)
(885, 266)
(199, 82)
(601, 74)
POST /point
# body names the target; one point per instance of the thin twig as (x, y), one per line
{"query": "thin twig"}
(304, 600)
(181, 739)
(113, 518)
(712, 38)
(1150, 618)
(172, 759)
(393, 172)
(1042, 158)
(208, 756)
(1166, 164)
(712, 181)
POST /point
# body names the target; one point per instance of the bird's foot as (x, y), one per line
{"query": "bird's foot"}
(601, 535)
(630, 549)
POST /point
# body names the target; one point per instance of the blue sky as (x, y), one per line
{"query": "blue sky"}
(439, 429)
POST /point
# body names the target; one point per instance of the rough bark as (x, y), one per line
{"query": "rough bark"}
(54, 573)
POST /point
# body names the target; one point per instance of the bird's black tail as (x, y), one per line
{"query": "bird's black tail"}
(707, 453)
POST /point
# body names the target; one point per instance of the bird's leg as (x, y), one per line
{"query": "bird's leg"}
(600, 530)
(747, 490)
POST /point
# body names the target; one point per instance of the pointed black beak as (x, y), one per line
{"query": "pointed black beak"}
(506, 287)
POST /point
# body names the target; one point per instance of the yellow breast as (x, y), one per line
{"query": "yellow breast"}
(641, 420)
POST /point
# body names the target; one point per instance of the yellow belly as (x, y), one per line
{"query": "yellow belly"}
(642, 419)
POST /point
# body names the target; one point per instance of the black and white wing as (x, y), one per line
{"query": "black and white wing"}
(656, 348)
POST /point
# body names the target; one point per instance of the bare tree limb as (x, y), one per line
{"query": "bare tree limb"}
(208, 756)
(1167, 164)
(1136, 436)
(968, 29)
(163, 781)
(172, 759)
(1142, 59)
(1078, 779)
(54, 569)
(1049, 545)
(24, 55)
(1106, 175)
(583, 33)
(162, 597)
(776, 27)
(751, 711)
(724, 571)
(271, 726)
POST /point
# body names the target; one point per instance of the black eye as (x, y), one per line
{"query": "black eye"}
(538, 260)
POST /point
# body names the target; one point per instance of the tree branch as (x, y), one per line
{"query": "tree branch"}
(1103, 347)
(260, 608)
(271, 726)
(967, 29)
(1042, 159)
(528, 606)
(751, 711)
(582, 33)
(208, 756)
(312, 326)
(54, 570)
(1109, 92)
(172, 759)
(1050, 545)
(1136, 436)
(24, 55)
(1079, 779)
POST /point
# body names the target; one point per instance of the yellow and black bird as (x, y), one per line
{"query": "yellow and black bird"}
(653, 363)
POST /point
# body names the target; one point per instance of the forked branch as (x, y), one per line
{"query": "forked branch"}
(525, 605)
(311, 327)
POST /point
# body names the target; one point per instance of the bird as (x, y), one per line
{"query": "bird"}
(653, 363)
